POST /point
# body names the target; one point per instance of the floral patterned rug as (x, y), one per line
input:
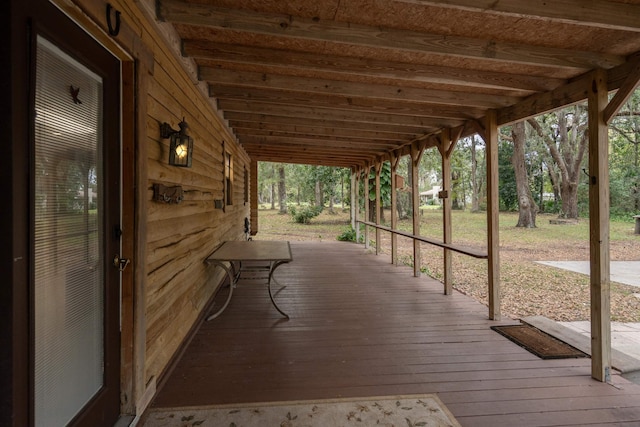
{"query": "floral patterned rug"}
(413, 411)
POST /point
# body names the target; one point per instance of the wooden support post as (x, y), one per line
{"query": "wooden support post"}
(493, 247)
(356, 202)
(366, 206)
(599, 229)
(353, 205)
(416, 154)
(378, 205)
(394, 208)
(253, 196)
(443, 147)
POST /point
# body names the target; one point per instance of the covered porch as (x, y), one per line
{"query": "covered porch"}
(361, 326)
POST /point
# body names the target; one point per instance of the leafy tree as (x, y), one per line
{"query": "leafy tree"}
(564, 133)
(625, 158)
(266, 179)
(507, 188)
(385, 191)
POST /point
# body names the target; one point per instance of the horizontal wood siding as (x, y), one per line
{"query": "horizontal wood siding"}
(361, 326)
(177, 284)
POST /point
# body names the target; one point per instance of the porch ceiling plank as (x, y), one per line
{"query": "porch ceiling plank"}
(339, 87)
(308, 160)
(359, 103)
(243, 128)
(288, 26)
(336, 114)
(275, 118)
(320, 154)
(221, 52)
(381, 140)
(300, 143)
(596, 13)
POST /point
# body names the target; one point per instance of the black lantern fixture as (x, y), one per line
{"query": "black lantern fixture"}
(181, 146)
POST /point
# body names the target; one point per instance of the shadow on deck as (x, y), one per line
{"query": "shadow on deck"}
(362, 327)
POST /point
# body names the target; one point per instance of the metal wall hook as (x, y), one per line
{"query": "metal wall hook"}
(113, 31)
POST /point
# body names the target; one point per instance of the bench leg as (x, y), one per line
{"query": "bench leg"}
(232, 284)
(271, 270)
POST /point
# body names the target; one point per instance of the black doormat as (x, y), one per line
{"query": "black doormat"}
(539, 343)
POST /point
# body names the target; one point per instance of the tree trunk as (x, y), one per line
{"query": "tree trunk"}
(569, 197)
(282, 190)
(456, 203)
(475, 198)
(273, 196)
(318, 194)
(526, 205)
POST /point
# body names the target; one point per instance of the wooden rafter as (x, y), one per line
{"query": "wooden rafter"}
(340, 101)
(224, 53)
(389, 38)
(275, 118)
(248, 128)
(596, 13)
(336, 115)
(352, 89)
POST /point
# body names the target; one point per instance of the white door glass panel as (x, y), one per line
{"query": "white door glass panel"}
(68, 254)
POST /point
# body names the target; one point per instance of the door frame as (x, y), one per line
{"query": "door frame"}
(15, 371)
(104, 405)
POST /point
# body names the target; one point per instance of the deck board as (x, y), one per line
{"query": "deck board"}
(362, 327)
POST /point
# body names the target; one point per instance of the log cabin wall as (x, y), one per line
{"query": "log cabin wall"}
(177, 285)
(179, 237)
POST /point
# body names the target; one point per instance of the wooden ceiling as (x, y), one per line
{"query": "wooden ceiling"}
(346, 82)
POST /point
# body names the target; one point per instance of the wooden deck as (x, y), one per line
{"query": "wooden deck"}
(362, 327)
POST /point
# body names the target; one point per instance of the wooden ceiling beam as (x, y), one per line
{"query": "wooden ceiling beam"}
(335, 87)
(426, 123)
(573, 92)
(356, 103)
(274, 119)
(260, 149)
(279, 25)
(624, 93)
(344, 146)
(307, 141)
(241, 128)
(346, 65)
(593, 13)
(318, 161)
(240, 132)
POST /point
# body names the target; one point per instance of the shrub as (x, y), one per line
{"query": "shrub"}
(349, 235)
(303, 214)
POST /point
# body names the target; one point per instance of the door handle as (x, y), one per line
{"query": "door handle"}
(120, 263)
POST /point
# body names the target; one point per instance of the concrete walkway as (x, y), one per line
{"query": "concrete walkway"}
(625, 337)
(626, 272)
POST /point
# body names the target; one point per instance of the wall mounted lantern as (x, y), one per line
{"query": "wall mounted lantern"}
(181, 146)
